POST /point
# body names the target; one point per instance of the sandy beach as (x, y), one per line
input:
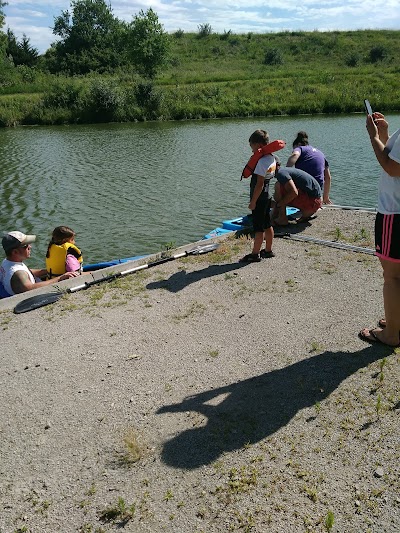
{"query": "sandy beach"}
(204, 395)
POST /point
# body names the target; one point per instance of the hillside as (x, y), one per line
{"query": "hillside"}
(222, 75)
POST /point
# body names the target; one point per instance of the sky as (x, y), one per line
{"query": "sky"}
(35, 18)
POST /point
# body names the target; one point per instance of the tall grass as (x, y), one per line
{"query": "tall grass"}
(227, 76)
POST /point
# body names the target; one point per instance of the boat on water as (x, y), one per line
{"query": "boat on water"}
(235, 224)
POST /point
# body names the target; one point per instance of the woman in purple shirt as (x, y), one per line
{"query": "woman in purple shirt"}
(311, 160)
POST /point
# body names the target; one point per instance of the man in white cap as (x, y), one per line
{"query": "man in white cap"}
(15, 276)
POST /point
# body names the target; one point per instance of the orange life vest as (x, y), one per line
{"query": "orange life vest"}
(265, 150)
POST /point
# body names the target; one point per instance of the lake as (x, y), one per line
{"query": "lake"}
(128, 189)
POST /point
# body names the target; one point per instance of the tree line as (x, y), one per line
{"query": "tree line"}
(101, 69)
(92, 39)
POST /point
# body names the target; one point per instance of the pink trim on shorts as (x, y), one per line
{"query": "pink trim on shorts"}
(386, 258)
(387, 234)
(387, 226)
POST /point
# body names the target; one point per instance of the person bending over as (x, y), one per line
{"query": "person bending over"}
(295, 188)
(15, 276)
(311, 160)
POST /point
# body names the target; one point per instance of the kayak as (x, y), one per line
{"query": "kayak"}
(113, 262)
(234, 224)
(240, 223)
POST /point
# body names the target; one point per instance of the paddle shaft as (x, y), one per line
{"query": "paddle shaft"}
(129, 271)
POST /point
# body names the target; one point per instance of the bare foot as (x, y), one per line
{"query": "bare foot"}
(378, 335)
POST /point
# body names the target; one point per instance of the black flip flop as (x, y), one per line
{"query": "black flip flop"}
(373, 339)
(306, 219)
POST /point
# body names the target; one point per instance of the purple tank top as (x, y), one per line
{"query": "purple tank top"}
(312, 161)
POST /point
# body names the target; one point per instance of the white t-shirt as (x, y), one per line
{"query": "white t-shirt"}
(8, 269)
(266, 166)
(389, 187)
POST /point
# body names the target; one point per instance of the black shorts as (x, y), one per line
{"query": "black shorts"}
(387, 237)
(261, 216)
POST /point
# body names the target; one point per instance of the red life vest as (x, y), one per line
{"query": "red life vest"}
(265, 150)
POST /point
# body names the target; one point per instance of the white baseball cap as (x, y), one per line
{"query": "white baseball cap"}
(15, 239)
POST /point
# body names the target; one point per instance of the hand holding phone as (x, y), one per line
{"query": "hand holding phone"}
(368, 107)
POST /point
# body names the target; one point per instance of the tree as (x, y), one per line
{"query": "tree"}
(90, 38)
(22, 53)
(3, 36)
(147, 43)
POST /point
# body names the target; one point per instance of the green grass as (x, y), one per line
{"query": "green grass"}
(221, 76)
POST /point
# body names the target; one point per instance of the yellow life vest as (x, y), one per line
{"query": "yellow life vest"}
(55, 263)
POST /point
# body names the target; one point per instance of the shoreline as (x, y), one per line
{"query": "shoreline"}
(207, 395)
(10, 303)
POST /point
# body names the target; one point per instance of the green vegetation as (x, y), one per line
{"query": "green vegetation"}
(120, 511)
(103, 69)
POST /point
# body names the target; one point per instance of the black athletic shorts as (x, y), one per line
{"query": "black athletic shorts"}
(387, 237)
(261, 216)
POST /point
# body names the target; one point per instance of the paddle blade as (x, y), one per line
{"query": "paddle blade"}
(37, 301)
(203, 249)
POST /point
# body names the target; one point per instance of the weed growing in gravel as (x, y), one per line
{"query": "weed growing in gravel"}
(316, 347)
(92, 490)
(5, 319)
(195, 309)
(119, 511)
(223, 254)
(88, 528)
(329, 521)
(362, 235)
(213, 353)
(329, 268)
(134, 450)
(168, 495)
(378, 405)
(381, 374)
(311, 493)
(168, 246)
(338, 235)
(242, 480)
(245, 521)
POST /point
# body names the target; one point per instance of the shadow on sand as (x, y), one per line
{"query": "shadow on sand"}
(253, 409)
(182, 279)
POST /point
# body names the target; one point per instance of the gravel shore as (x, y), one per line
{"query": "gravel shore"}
(204, 395)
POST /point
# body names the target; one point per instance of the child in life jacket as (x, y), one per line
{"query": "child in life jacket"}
(62, 253)
(260, 202)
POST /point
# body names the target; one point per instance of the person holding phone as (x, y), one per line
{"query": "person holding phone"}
(387, 228)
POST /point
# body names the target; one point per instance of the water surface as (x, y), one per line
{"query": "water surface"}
(127, 189)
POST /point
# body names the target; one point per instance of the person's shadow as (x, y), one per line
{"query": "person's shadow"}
(250, 410)
(181, 279)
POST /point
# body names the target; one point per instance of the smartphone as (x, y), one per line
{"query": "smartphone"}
(368, 107)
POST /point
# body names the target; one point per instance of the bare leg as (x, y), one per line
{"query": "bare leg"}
(269, 237)
(279, 213)
(391, 299)
(258, 240)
